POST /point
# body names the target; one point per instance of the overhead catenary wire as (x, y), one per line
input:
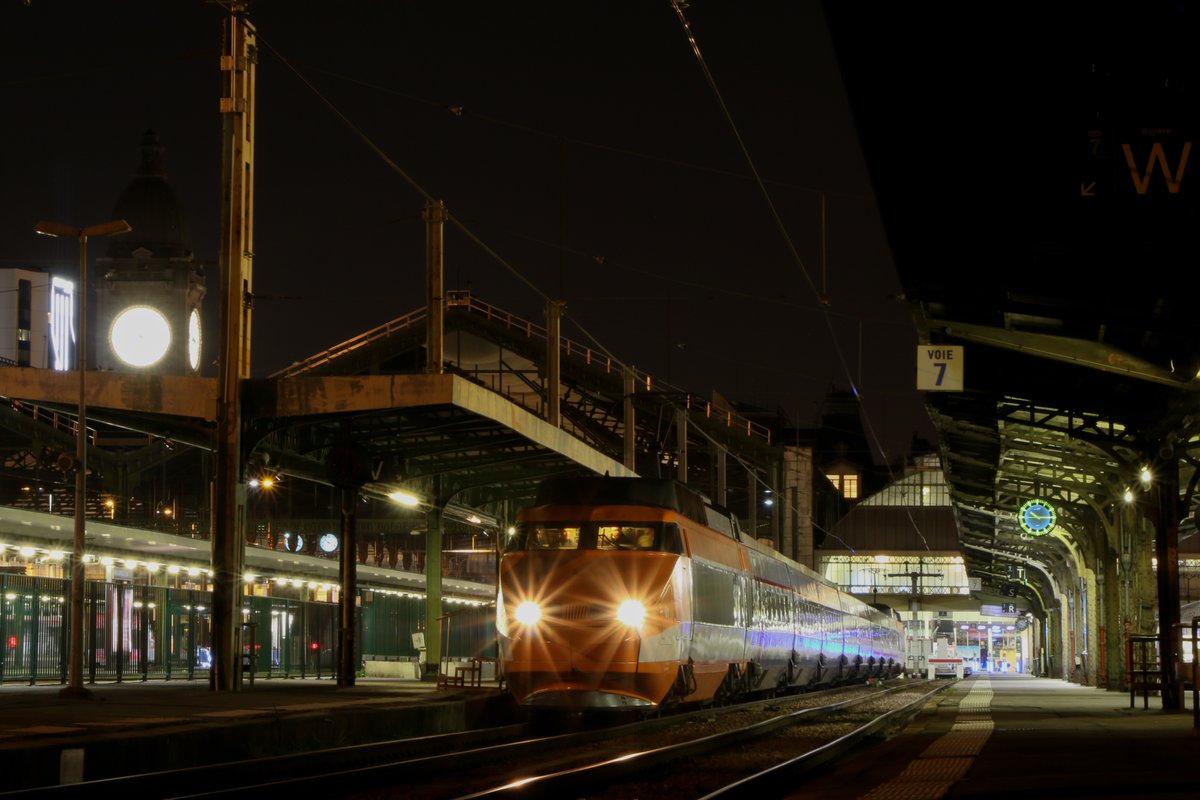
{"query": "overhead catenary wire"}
(463, 228)
(679, 6)
(429, 197)
(463, 113)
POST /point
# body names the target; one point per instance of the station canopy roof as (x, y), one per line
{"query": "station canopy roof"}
(1034, 169)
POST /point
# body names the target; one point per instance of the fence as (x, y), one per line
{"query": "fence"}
(136, 632)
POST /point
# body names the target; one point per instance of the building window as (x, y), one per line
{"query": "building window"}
(850, 487)
(846, 484)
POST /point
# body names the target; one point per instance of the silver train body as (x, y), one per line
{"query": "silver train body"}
(718, 615)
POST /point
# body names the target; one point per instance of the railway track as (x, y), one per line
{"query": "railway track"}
(756, 756)
(498, 762)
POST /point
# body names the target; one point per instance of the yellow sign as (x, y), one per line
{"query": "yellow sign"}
(940, 368)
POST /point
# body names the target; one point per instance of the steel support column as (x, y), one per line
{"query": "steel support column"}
(1166, 547)
(433, 584)
(554, 309)
(630, 421)
(435, 218)
(348, 572)
(681, 431)
(237, 250)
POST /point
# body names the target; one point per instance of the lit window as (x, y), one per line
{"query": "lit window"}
(850, 486)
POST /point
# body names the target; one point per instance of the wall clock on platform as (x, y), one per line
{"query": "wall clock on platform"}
(1037, 517)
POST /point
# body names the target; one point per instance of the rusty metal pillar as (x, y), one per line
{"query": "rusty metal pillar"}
(780, 497)
(554, 309)
(237, 251)
(348, 467)
(433, 582)
(681, 423)
(752, 501)
(435, 301)
(348, 573)
(1166, 547)
(630, 422)
(719, 458)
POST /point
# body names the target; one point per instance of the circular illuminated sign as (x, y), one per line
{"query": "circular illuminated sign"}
(140, 336)
(1037, 517)
(328, 542)
(193, 331)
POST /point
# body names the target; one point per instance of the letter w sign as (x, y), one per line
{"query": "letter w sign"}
(1157, 161)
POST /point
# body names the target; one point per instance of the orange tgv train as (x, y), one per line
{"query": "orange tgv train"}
(638, 593)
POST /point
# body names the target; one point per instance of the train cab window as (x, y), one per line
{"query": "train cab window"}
(656, 536)
(554, 538)
(626, 537)
(543, 536)
(671, 541)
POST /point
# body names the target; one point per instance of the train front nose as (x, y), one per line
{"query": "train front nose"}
(574, 656)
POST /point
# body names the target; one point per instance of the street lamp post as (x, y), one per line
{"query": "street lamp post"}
(75, 651)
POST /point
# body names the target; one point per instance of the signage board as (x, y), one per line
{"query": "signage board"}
(940, 368)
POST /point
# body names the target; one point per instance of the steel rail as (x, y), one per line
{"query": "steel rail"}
(570, 782)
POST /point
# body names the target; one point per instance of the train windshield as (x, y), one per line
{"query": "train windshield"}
(659, 536)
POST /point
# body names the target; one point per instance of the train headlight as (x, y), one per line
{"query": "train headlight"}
(528, 613)
(632, 613)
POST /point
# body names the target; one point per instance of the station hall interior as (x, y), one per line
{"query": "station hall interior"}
(1051, 522)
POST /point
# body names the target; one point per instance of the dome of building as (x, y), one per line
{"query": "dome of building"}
(151, 208)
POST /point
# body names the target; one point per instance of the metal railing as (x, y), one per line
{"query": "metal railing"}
(462, 300)
(1145, 671)
(139, 632)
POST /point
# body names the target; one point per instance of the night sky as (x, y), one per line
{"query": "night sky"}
(581, 142)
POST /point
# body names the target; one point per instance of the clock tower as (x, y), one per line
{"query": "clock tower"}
(150, 288)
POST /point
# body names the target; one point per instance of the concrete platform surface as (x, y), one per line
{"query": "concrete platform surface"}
(148, 726)
(1011, 736)
(986, 737)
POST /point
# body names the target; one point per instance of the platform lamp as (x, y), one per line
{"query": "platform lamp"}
(75, 688)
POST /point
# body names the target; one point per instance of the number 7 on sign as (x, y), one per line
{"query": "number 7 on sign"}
(940, 368)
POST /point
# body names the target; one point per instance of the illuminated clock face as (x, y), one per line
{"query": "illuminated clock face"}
(140, 336)
(328, 542)
(193, 353)
(1037, 517)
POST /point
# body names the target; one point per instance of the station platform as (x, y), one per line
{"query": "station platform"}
(1015, 736)
(987, 736)
(133, 727)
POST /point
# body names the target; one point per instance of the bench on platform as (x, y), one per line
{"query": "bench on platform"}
(461, 673)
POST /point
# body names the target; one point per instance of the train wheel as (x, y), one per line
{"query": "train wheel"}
(685, 681)
(732, 687)
(753, 677)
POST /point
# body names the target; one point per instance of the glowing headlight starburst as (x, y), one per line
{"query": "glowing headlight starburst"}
(528, 613)
(632, 613)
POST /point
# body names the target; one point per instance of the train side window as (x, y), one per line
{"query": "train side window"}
(671, 541)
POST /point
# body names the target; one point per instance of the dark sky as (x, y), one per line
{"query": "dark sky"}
(581, 142)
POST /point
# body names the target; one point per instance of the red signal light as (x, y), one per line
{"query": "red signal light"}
(12, 640)
(314, 646)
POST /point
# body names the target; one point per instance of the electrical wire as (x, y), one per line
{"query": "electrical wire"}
(470, 234)
(461, 112)
(679, 6)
